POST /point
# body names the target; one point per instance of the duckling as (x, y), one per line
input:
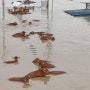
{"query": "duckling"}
(13, 24)
(13, 61)
(24, 79)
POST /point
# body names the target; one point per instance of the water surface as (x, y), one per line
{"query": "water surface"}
(70, 51)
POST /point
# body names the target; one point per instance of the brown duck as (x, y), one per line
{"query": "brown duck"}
(13, 61)
(20, 34)
(43, 63)
(37, 60)
(12, 24)
(24, 80)
(38, 73)
(42, 73)
(47, 72)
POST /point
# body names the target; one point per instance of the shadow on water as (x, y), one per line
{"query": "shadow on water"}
(45, 80)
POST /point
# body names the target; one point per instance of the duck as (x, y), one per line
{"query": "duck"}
(45, 34)
(24, 79)
(47, 72)
(44, 37)
(13, 61)
(52, 38)
(20, 34)
(37, 60)
(32, 32)
(13, 23)
(36, 73)
(45, 65)
(40, 33)
(42, 72)
(23, 21)
(30, 23)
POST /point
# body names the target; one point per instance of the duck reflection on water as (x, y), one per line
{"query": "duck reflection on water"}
(43, 79)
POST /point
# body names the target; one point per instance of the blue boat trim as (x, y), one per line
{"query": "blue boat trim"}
(81, 12)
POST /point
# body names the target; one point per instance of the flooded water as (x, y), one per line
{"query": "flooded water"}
(70, 51)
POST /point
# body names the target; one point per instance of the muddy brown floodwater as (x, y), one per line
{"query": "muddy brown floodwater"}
(69, 52)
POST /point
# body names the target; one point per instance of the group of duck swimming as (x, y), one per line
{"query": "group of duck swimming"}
(43, 65)
(42, 71)
(43, 36)
(20, 10)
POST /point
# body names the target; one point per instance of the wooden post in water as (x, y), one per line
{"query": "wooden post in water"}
(3, 7)
(47, 8)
